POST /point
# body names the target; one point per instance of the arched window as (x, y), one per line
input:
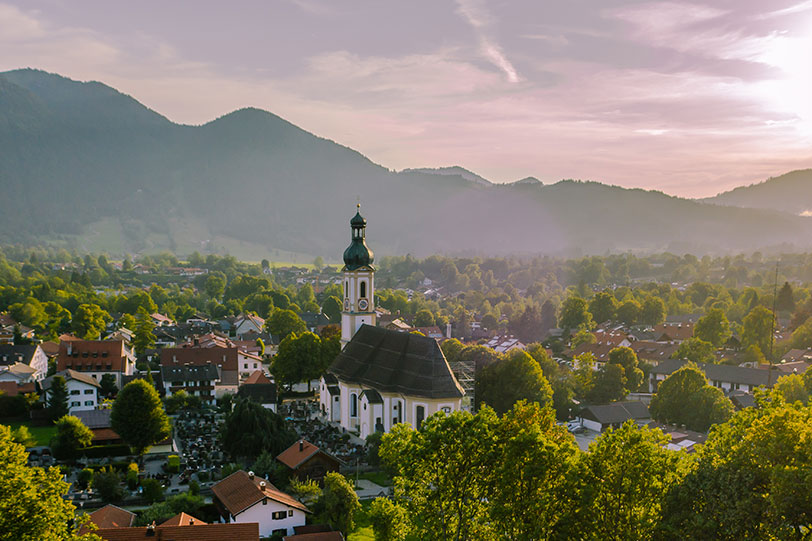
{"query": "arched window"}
(353, 405)
(363, 290)
(420, 414)
(346, 290)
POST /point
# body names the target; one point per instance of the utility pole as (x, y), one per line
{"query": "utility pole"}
(772, 328)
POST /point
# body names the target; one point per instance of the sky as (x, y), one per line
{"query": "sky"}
(690, 98)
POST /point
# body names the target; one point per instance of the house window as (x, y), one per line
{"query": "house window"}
(353, 405)
(365, 407)
(420, 415)
(74, 404)
(279, 515)
(290, 512)
(88, 391)
(75, 391)
(279, 533)
(446, 410)
(88, 402)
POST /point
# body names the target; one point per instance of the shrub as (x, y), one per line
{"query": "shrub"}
(153, 490)
(173, 463)
(84, 477)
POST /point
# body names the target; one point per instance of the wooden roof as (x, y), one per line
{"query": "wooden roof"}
(197, 532)
(238, 492)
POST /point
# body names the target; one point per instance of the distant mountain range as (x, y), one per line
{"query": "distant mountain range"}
(85, 166)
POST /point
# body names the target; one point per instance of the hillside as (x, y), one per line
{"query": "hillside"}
(88, 167)
(791, 192)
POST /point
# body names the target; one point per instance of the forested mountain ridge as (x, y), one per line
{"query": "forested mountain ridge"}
(84, 164)
(790, 192)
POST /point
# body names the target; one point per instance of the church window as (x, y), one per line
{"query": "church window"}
(363, 289)
(353, 405)
(420, 415)
(346, 290)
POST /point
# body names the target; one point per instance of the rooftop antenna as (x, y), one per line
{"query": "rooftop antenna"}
(772, 328)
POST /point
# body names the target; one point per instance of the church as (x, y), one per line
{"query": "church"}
(381, 377)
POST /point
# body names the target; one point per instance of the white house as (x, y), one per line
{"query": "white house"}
(31, 355)
(248, 325)
(82, 390)
(243, 498)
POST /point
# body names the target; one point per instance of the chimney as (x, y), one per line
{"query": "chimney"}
(151, 530)
(262, 484)
(250, 475)
(448, 330)
(301, 445)
(191, 522)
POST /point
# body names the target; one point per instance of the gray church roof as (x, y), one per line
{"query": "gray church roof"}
(396, 362)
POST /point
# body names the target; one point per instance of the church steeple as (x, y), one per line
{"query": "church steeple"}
(359, 281)
(358, 254)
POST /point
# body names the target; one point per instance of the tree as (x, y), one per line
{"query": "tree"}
(23, 436)
(300, 358)
(802, 336)
(71, 436)
(751, 479)
(627, 358)
(57, 398)
(144, 325)
(757, 329)
(32, 507)
(340, 502)
(89, 321)
(108, 386)
(423, 318)
(583, 336)
(629, 312)
(138, 416)
(607, 384)
(516, 377)
(713, 327)
(331, 307)
(695, 350)
(653, 311)
(107, 484)
(251, 429)
(153, 490)
(389, 520)
(685, 398)
(784, 301)
(603, 306)
(284, 322)
(791, 388)
(574, 314)
(215, 285)
(626, 474)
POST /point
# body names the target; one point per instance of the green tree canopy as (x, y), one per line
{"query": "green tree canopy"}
(652, 311)
(627, 358)
(250, 429)
(71, 436)
(89, 321)
(144, 325)
(696, 350)
(603, 306)
(340, 502)
(629, 312)
(138, 416)
(757, 329)
(284, 322)
(516, 377)
(713, 327)
(574, 314)
(57, 398)
(685, 397)
(300, 357)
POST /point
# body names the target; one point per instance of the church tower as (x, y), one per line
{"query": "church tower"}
(359, 281)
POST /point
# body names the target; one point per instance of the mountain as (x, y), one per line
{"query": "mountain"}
(528, 180)
(85, 166)
(791, 192)
(455, 171)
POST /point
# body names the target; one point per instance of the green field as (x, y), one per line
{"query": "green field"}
(43, 434)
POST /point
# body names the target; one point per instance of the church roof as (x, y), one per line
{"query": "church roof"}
(396, 362)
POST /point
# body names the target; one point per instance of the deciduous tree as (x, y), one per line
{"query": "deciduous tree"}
(138, 416)
(713, 327)
(71, 436)
(284, 322)
(685, 397)
(516, 377)
(251, 429)
(340, 502)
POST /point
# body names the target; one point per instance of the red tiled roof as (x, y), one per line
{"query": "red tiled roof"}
(227, 357)
(104, 434)
(10, 388)
(257, 376)
(92, 355)
(51, 349)
(182, 519)
(238, 492)
(111, 516)
(292, 457)
(197, 532)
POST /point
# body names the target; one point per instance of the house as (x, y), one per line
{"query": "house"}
(161, 320)
(247, 325)
(315, 321)
(653, 351)
(18, 373)
(96, 358)
(83, 390)
(191, 532)
(110, 516)
(258, 388)
(431, 332)
(196, 380)
(674, 332)
(726, 377)
(31, 355)
(244, 498)
(11, 388)
(601, 417)
(224, 358)
(503, 344)
(386, 377)
(98, 421)
(182, 519)
(306, 461)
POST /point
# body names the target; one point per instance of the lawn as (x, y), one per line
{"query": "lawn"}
(363, 527)
(377, 477)
(43, 434)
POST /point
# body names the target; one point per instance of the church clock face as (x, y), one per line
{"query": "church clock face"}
(346, 305)
(363, 304)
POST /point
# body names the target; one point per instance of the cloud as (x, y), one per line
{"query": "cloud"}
(476, 15)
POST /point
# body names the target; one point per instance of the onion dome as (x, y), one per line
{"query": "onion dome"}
(358, 254)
